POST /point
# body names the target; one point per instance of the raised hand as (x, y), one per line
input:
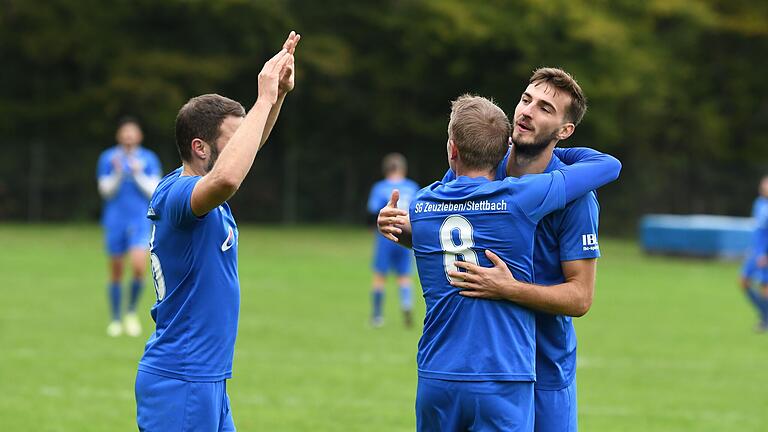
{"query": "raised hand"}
(482, 282)
(392, 220)
(288, 73)
(269, 76)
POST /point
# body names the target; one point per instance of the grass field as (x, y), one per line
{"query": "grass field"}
(667, 346)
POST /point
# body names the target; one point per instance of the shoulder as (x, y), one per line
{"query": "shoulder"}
(107, 154)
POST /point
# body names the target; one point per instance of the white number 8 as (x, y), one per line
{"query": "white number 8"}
(457, 252)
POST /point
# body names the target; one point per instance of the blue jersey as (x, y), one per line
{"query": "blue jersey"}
(194, 265)
(476, 339)
(382, 191)
(760, 236)
(129, 203)
(564, 235)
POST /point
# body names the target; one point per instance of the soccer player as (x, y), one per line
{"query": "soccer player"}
(476, 356)
(755, 266)
(387, 255)
(181, 379)
(127, 175)
(565, 248)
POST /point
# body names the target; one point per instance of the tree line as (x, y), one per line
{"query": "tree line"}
(676, 90)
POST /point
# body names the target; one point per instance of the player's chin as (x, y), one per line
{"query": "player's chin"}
(523, 138)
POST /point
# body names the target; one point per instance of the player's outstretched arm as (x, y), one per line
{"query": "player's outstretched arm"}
(236, 159)
(572, 297)
(590, 170)
(394, 223)
(286, 85)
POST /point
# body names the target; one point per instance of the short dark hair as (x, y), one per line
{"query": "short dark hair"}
(124, 120)
(393, 162)
(480, 130)
(201, 117)
(562, 80)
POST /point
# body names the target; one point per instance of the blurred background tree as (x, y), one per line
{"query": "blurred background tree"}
(677, 91)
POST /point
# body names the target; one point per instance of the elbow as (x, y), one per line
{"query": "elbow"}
(582, 304)
(615, 168)
(226, 184)
(581, 308)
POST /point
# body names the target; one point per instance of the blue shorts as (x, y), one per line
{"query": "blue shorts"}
(389, 255)
(170, 405)
(443, 405)
(120, 238)
(556, 410)
(750, 270)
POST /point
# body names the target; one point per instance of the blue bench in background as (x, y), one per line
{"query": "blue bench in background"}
(696, 235)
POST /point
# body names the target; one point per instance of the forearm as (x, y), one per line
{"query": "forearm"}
(236, 159)
(590, 171)
(567, 298)
(147, 183)
(274, 113)
(108, 185)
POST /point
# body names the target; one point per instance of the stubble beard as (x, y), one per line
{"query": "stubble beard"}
(532, 150)
(212, 160)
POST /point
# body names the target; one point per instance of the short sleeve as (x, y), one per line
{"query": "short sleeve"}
(578, 229)
(376, 201)
(178, 203)
(539, 194)
(104, 165)
(153, 167)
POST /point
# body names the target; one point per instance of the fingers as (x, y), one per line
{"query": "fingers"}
(497, 262)
(291, 42)
(393, 212)
(468, 266)
(394, 198)
(281, 62)
(474, 294)
(390, 237)
(465, 277)
(390, 229)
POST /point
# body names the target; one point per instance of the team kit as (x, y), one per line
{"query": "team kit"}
(505, 246)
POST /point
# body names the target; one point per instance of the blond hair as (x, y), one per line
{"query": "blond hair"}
(480, 130)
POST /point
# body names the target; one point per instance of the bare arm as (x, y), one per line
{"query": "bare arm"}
(110, 183)
(572, 297)
(286, 84)
(394, 223)
(236, 158)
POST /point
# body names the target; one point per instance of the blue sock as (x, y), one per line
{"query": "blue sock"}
(378, 302)
(136, 286)
(406, 303)
(114, 300)
(760, 303)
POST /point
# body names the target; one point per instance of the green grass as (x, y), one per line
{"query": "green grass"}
(667, 346)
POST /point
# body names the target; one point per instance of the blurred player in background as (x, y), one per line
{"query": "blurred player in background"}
(127, 175)
(477, 356)
(182, 376)
(756, 263)
(388, 256)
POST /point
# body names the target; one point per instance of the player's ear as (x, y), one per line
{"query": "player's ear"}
(199, 148)
(565, 131)
(453, 151)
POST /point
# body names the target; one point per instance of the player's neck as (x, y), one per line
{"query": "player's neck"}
(191, 169)
(522, 164)
(128, 149)
(395, 177)
(475, 173)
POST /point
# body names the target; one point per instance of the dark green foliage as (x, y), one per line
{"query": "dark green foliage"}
(676, 89)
